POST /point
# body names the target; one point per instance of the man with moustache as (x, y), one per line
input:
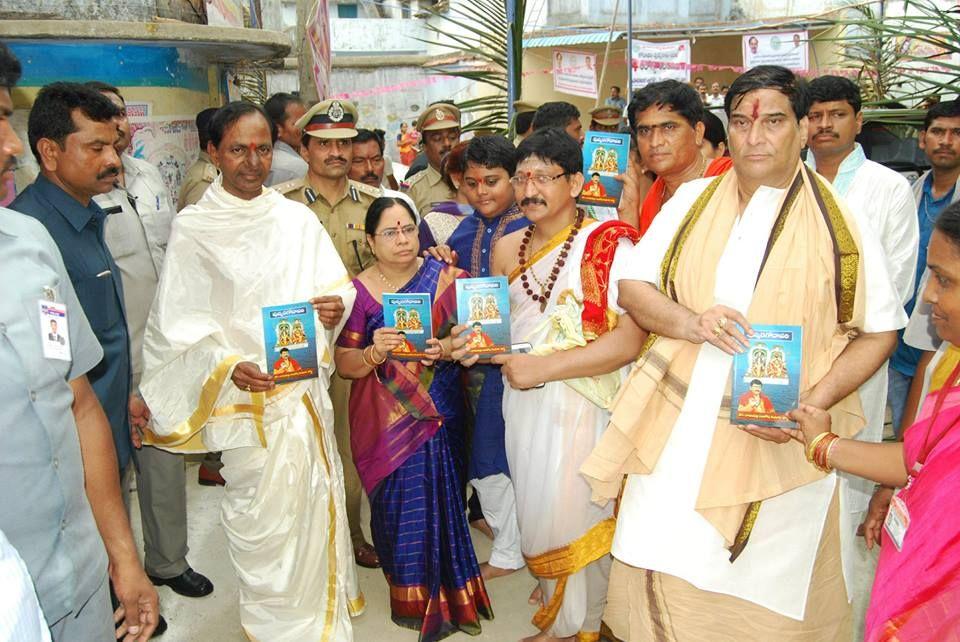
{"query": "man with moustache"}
(666, 118)
(62, 481)
(368, 166)
(440, 125)
(139, 213)
(882, 197)
(204, 380)
(558, 268)
(937, 188)
(340, 204)
(724, 525)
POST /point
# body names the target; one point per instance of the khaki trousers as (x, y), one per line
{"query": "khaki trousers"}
(340, 397)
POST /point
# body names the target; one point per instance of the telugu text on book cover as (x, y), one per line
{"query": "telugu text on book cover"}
(605, 155)
(290, 341)
(483, 305)
(766, 377)
(410, 314)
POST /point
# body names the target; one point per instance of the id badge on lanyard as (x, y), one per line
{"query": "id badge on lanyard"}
(898, 518)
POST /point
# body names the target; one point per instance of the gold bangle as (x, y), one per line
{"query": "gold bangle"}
(813, 444)
(373, 349)
(363, 357)
(826, 457)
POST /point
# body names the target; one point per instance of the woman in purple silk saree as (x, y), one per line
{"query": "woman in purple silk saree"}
(916, 590)
(406, 424)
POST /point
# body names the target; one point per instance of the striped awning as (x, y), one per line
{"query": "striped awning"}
(566, 40)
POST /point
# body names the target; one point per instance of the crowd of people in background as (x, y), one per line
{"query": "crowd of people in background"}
(601, 458)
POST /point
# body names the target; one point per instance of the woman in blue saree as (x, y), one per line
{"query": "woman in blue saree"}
(406, 423)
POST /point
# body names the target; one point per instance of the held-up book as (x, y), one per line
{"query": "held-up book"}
(483, 305)
(605, 155)
(410, 315)
(766, 377)
(290, 341)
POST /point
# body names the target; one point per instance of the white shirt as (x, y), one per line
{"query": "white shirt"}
(657, 527)
(21, 619)
(287, 165)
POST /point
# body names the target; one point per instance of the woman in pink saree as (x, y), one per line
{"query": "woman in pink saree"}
(916, 591)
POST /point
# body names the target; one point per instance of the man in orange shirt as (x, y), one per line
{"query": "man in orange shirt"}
(666, 119)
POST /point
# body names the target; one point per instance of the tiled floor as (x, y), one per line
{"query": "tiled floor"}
(215, 618)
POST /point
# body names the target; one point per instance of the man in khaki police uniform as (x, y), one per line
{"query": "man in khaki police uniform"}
(440, 126)
(203, 171)
(341, 205)
(605, 119)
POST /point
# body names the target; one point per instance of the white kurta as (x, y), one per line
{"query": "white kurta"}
(882, 199)
(658, 527)
(283, 507)
(550, 432)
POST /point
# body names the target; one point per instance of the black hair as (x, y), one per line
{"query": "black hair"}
(103, 87)
(282, 350)
(376, 209)
(51, 115)
(524, 121)
(382, 135)
(617, 87)
(231, 113)
(948, 109)
(781, 79)
(757, 382)
(554, 114)
(680, 97)
(203, 126)
(276, 106)
(491, 152)
(553, 145)
(10, 68)
(366, 135)
(830, 88)
(948, 222)
(713, 128)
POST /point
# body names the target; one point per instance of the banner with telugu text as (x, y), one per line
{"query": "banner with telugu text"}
(655, 61)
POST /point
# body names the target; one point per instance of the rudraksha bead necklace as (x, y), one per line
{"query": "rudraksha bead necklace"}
(547, 288)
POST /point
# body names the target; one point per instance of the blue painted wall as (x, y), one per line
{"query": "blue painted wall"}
(123, 65)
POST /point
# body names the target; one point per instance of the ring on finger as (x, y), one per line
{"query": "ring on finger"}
(721, 322)
(718, 331)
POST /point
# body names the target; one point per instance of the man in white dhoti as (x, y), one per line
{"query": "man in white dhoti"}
(726, 531)
(240, 248)
(883, 198)
(558, 269)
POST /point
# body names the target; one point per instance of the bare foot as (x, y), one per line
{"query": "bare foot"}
(482, 526)
(536, 597)
(543, 637)
(489, 572)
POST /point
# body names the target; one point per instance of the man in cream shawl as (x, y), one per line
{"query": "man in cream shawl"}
(240, 248)
(727, 532)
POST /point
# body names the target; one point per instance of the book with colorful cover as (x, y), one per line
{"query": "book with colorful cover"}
(290, 341)
(766, 377)
(410, 314)
(483, 305)
(605, 155)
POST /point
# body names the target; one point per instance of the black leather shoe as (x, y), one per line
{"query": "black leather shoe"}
(161, 628)
(189, 583)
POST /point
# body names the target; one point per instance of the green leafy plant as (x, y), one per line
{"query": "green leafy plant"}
(479, 41)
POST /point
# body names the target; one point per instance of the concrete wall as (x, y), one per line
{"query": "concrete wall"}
(377, 36)
(677, 12)
(129, 10)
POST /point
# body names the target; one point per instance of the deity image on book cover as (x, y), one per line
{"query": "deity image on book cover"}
(766, 377)
(605, 155)
(483, 304)
(290, 342)
(410, 315)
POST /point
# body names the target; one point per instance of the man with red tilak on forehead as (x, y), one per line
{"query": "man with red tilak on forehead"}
(727, 531)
